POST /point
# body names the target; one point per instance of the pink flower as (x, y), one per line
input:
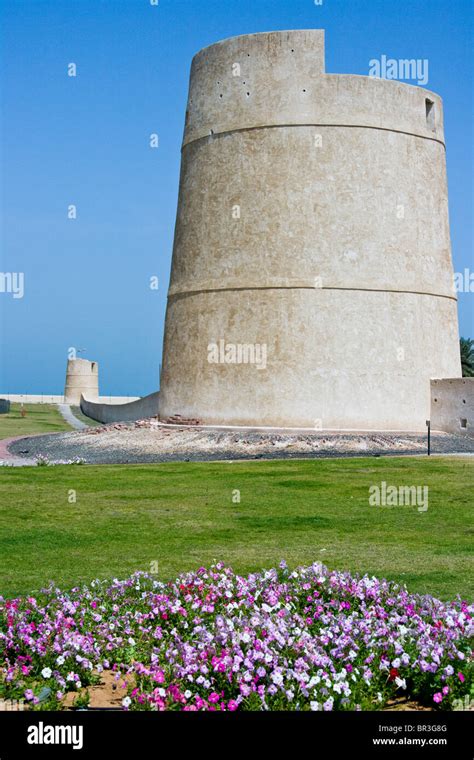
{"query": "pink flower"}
(438, 697)
(213, 697)
(232, 705)
(461, 677)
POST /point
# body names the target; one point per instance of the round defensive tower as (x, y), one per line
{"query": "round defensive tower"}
(82, 376)
(311, 281)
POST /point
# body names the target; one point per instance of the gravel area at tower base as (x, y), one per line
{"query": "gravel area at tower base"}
(147, 441)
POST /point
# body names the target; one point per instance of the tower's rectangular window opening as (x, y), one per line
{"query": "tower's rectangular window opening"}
(463, 422)
(430, 114)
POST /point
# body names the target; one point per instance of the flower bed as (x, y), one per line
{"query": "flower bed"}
(308, 639)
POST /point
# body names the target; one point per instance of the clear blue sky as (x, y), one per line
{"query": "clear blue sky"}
(84, 141)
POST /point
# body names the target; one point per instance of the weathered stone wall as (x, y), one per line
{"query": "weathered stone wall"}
(452, 405)
(313, 221)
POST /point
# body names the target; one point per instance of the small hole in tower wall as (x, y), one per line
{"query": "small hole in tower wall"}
(430, 114)
(463, 421)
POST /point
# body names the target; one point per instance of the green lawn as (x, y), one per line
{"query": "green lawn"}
(40, 418)
(182, 516)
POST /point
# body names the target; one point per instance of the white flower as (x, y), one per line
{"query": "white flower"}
(131, 641)
(315, 706)
(188, 694)
(162, 692)
(46, 672)
(126, 701)
(396, 662)
(60, 660)
(277, 678)
(401, 683)
(78, 684)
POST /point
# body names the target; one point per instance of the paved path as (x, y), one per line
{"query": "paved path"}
(65, 410)
(10, 459)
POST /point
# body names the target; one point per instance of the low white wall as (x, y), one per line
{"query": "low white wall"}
(452, 405)
(28, 398)
(46, 398)
(135, 410)
(117, 399)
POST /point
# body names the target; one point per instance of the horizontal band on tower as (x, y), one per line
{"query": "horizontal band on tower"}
(175, 291)
(203, 133)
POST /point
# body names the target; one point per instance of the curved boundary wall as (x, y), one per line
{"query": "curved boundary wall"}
(135, 410)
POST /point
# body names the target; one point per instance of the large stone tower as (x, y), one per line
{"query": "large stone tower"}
(311, 282)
